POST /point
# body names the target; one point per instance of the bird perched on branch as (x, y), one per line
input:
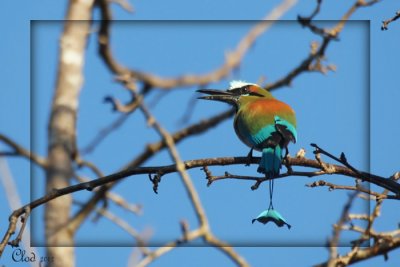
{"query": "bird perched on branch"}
(261, 122)
(265, 124)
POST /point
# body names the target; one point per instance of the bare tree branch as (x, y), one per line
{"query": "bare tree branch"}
(188, 184)
(125, 5)
(118, 199)
(359, 188)
(140, 242)
(233, 59)
(380, 248)
(313, 61)
(383, 242)
(188, 236)
(386, 23)
(14, 201)
(20, 151)
(149, 151)
(163, 170)
(103, 133)
(334, 241)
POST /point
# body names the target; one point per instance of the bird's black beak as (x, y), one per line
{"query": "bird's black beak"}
(229, 97)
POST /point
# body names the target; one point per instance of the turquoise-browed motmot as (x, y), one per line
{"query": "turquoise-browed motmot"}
(261, 122)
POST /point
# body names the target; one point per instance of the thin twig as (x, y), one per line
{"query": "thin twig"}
(180, 166)
(103, 133)
(225, 248)
(233, 59)
(386, 23)
(20, 151)
(332, 187)
(149, 151)
(24, 220)
(11, 194)
(123, 225)
(380, 181)
(379, 248)
(317, 52)
(124, 4)
(189, 236)
(117, 199)
(333, 243)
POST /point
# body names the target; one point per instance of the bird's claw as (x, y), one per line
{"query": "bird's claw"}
(249, 158)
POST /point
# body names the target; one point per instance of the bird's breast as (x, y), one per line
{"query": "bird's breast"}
(255, 122)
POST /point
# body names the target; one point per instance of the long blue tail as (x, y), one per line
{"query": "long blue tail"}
(271, 161)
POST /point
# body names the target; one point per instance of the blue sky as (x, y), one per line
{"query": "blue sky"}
(351, 110)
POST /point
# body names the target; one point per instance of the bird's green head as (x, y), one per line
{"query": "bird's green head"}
(238, 94)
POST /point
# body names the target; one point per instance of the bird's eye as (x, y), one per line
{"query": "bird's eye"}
(245, 90)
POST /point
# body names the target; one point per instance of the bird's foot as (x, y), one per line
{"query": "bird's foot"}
(286, 153)
(249, 158)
